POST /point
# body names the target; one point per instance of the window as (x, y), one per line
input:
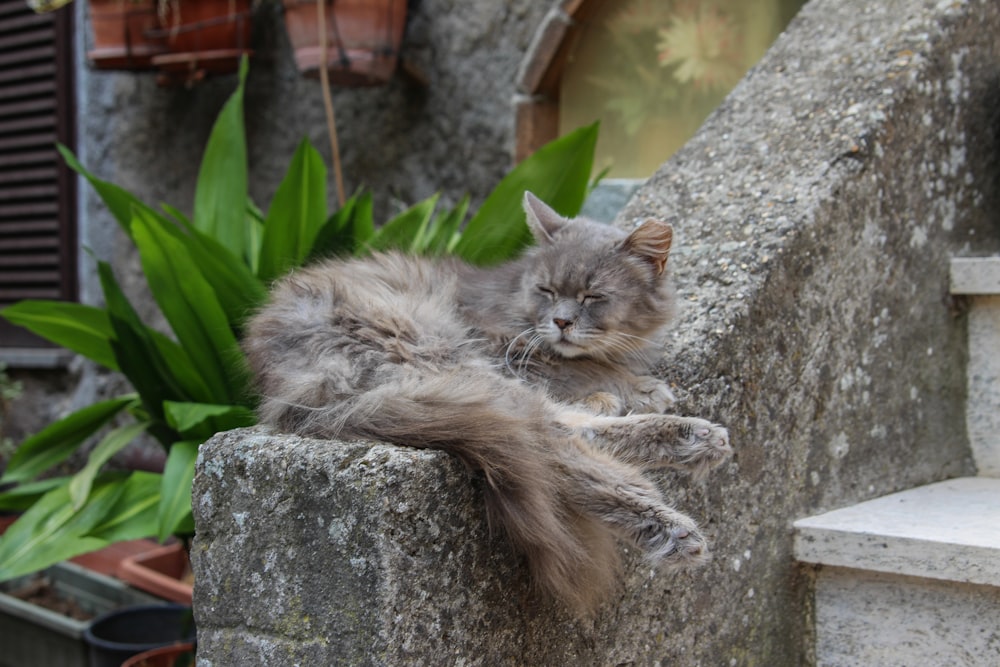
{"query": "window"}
(650, 70)
(37, 192)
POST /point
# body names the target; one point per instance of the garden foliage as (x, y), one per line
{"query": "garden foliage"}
(207, 274)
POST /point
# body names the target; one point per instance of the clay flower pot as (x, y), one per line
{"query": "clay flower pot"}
(164, 572)
(126, 34)
(166, 656)
(204, 37)
(363, 38)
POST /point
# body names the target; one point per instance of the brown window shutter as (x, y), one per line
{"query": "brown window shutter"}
(37, 191)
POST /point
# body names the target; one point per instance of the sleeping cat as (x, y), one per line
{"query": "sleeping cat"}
(529, 372)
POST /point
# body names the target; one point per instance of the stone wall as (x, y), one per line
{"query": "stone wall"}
(816, 212)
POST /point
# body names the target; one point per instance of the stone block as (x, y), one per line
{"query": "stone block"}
(869, 618)
(949, 530)
(975, 275)
(815, 215)
(320, 553)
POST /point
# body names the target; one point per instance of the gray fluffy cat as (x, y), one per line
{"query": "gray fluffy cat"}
(529, 372)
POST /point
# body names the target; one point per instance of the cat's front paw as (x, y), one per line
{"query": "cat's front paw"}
(652, 395)
(702, 446)
(602, 403)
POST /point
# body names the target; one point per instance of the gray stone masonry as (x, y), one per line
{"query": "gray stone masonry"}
(816, 212)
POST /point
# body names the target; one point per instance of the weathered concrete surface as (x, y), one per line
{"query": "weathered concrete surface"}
(867, 618)
(816, 213)
(316, 553)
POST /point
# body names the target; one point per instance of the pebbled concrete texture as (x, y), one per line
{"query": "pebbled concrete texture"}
(816, 213)
(869, 618)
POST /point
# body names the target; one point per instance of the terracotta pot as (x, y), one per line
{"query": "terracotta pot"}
(164, 572)
(363, 38)
(126, 34)
(109, 559)
(205, 37)
(166, 656)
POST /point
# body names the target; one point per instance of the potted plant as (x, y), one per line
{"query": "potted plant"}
(119, 635)
(164, 572)
(203, 37)
(43, 617)
(126, 34)
(361, 38)
(207, 273)
(166, 656)
(184, 39)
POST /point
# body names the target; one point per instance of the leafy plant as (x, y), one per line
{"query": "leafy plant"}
(207, 274)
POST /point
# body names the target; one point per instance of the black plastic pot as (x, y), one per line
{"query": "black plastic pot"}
(118, 635)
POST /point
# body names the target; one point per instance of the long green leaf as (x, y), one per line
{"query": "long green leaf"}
(141, 356)
(175, 490)
(238, 290)
(190, 306)
(52, 531)
(133, 516)
(119, 201)
(444, 232)
(557, 173)
(57, 441)
(337, 235)
(23, 496)
(201, 421)
(80, 328)
(111, 444)
(220, 196)
(296, 215)
(406, 230)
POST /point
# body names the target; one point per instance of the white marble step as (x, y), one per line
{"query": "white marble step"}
(975, 275)
(948, 530)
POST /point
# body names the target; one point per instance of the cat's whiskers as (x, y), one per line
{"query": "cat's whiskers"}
(509, 355)
(620, 343)
(528, 354)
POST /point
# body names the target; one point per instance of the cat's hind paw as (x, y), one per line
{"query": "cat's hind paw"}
(681, 545)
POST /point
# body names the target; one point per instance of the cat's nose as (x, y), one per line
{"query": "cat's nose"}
(561, 323)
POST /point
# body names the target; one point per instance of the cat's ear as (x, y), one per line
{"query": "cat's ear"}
(651, 242)
(542, 220)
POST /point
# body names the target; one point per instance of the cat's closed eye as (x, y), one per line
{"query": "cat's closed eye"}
(550, 293)
(587, 299)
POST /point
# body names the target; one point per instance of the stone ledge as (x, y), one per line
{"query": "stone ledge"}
(948, 530)
(975, 275)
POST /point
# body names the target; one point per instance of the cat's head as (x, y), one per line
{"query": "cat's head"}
(593, 290)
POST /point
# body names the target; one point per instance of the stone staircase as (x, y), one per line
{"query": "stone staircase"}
(913, 578)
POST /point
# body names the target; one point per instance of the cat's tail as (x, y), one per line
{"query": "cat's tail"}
(507, 431)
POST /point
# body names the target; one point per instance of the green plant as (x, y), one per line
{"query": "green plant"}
(206, 275)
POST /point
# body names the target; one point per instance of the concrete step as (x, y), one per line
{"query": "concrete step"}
(910, 578)
(978, 278)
